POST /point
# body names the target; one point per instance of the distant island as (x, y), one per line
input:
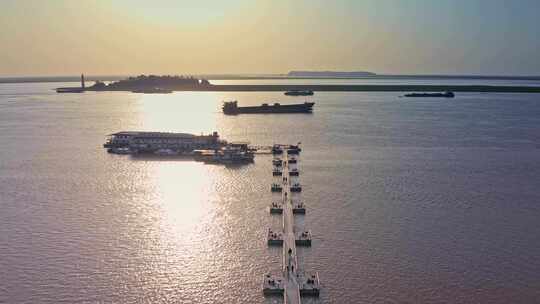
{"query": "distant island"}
(143, 84)
(150, 82)
(329, 74)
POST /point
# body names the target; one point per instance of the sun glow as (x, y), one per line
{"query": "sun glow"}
(187, 112)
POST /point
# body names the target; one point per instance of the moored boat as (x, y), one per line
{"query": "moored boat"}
(227, 154)
(276, 149)
(294, 149)
(276, 188)
(296, 187)
(120, 150)
(277, 162)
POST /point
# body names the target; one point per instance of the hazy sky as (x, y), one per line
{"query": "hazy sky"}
(269, 36)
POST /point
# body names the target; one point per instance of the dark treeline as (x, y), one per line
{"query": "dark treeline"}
(152, 81)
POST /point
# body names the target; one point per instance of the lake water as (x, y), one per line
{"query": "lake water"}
(409, 200)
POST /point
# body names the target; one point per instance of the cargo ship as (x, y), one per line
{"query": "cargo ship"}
(232, 108)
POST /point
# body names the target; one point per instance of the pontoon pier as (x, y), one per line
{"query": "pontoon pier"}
(293, 282)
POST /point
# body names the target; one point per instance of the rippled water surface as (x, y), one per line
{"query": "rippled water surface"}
(409, 200)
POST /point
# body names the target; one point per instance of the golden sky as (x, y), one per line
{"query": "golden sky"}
(261, 36)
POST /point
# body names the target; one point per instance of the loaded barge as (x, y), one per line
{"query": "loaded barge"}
(232, 108)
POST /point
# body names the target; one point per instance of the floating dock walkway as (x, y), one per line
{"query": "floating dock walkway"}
(293, 282)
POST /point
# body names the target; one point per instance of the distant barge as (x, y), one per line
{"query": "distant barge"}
(232, 108)
(445, 95)
(299, 93)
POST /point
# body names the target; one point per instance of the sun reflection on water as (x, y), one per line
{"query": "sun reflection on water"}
(196, 216)
(188, 112)
(183, 189)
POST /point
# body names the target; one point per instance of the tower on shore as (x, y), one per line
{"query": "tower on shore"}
(82, 81)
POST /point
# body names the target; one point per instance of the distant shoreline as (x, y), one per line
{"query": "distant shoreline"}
(377, 88)
(350, 88)
(43, 79)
